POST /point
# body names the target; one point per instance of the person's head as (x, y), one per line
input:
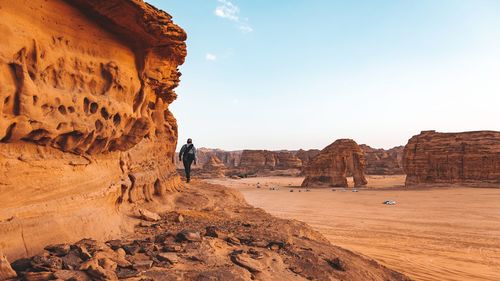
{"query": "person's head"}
(190, 141)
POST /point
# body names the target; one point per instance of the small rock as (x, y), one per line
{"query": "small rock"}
(84, 253)
(20, 264)
(6, 271)
(275, 246)
(120, 252)
(170, 257)
(114, 244)
(336, 264)
(142, 264)
(243, 260)
(108, 264)
(233, 240)
(59, 249)
(213, 231)
(291, 190)
(296, 269)
(172, 248)
(124, 273)
(72, 260)
(46, 263)
(149, 216)
(179, 218)
(131, 249)
(189, 235)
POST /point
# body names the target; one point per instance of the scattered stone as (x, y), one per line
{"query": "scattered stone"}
(59, 249)
(84, 253)
(389, 202)
(291, 190)
(142, 264)
(179, 218)
(120, 252)
(233, 240)
(189, 235)
(296, 269)
(169, 257)
(6, 271)
(336, 264)
(275, 246)
(46, 263)
(124, 273)
(131, 249)
(149, 216)
(242, 259)
(213, 231)
(115, 244)
(72, 260)
(354, 190)
(172, 248)
(20, 264)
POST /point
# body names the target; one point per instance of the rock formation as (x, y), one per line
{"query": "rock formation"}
(264, 162)
(331, 166)
(383, 162)
(85, 88)
(214, 168)
(471, 158)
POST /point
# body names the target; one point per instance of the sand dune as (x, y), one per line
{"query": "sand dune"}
(430, 234)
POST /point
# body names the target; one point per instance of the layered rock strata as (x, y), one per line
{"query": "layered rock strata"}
(471, 158)
(85, 88)
(332, 165)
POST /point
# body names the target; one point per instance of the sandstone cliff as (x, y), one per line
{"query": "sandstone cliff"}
(332, 165)
(467, 158)
(383, 162)
(85, 88)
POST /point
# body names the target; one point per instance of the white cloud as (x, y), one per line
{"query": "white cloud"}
(245, 28)
(227, 10)
(230, 11)
(210, 57)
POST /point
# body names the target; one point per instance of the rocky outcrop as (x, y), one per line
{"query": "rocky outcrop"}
(220, 237)
(470, 158)
(214, 168)
(84, 116)
(332, 165)
(383, 162)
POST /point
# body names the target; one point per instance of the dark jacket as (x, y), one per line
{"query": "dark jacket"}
(188, 152)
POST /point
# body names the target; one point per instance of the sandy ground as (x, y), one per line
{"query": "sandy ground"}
(430, 234)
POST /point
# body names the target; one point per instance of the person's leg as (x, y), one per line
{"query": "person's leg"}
(187, 169)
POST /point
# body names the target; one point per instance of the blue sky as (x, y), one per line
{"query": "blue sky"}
(292, 74)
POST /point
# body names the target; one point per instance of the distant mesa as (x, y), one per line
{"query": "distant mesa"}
(332, 165)
(468, 158)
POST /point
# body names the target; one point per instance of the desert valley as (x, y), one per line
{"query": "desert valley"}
(93, 188)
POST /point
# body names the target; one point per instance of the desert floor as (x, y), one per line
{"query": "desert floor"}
(430, 234)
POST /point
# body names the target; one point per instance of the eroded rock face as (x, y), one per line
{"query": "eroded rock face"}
(471, 158)
(383, 162)
(85, 120)
(332, 165)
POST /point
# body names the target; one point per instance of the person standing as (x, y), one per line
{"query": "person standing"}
(188, 157)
